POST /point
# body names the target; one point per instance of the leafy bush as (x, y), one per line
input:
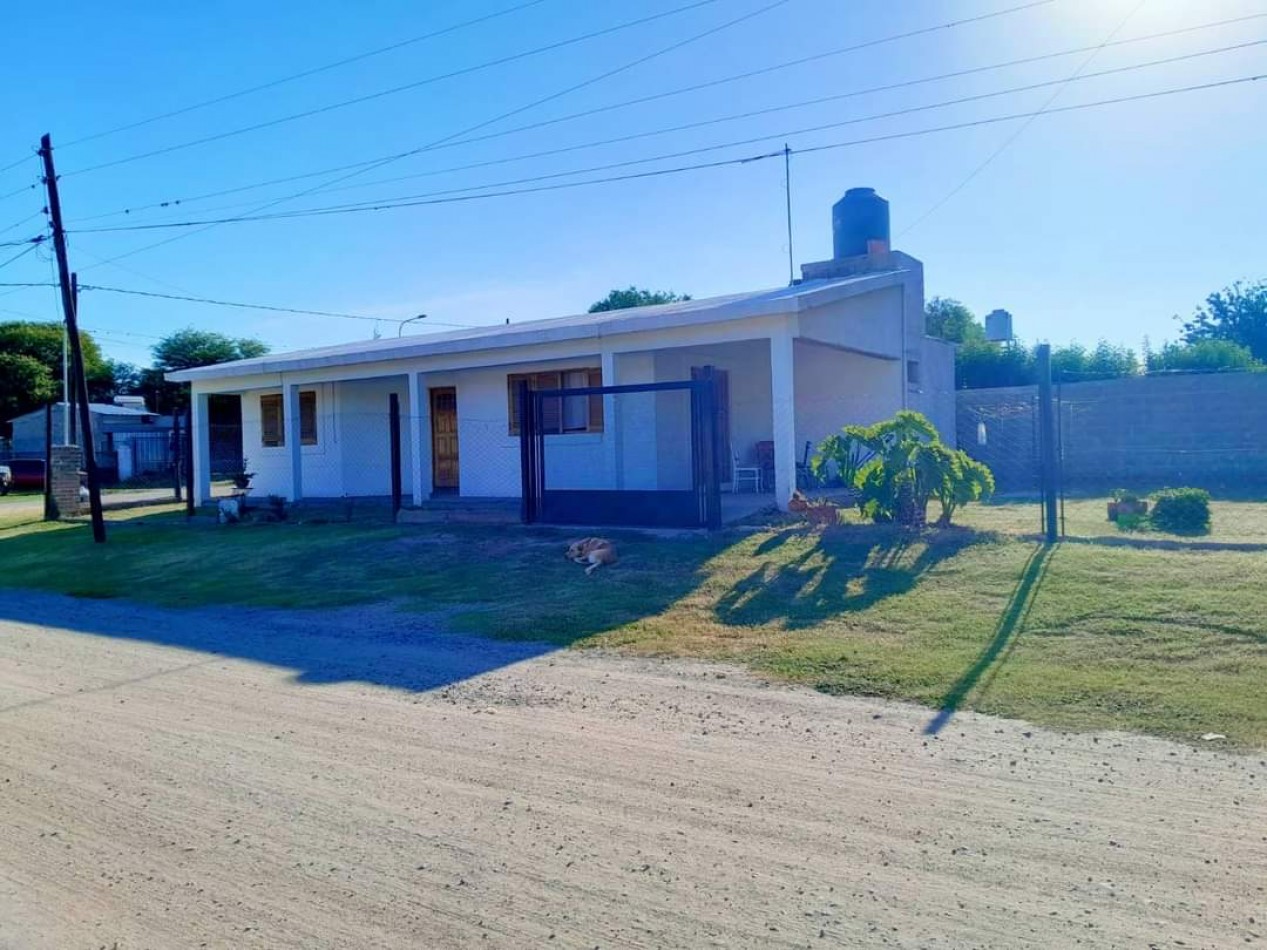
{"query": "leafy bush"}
(1131, 522)
(897, 466)
(1181, 511)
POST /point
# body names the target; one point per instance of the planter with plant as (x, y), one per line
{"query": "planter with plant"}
(241, 478)
(1124, 502)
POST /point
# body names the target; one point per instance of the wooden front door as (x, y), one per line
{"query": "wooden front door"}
(444, 440)
(721, 379)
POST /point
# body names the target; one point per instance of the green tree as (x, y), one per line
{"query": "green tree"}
(1237, 314)
(636, 297)
(42, 342)
(950, 320)
(1106, 361)
(25, 384)
(980, 364)
(186, 349)
(1201, 356)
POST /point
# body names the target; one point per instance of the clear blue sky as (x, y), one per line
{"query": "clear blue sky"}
(1096, 223)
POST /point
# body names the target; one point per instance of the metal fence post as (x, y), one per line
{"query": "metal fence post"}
(188, 453)
(177, 455)
(1047, 440)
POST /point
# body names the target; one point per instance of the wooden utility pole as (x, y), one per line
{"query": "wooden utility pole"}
(71, 432)
(76, 350)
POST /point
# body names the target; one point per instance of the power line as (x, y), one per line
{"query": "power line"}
(760, 112)
(19, 255)
(253, 306)
(369, 97)
(304, 74)
(1018, 132)
(536, 102)
(31, 240)
(18, 224)
(676, 92)
(411, 202)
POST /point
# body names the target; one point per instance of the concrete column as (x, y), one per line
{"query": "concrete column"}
(201, 423)
(783, 399)
(420, 437)
(290, 435)
(612, 453)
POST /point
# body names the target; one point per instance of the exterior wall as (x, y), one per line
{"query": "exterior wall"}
(363, 435)
(934, 394)
(1206, 430)
(836, 388)
(322, 463)
(870, 323)
(751, 405)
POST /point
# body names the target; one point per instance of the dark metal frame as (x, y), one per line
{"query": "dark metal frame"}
(696, 507)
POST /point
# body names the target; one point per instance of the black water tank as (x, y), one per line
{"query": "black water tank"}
(860, 216)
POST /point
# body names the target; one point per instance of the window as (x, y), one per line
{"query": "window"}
(307, 417)
(271, 432)
(912, 373)
(272, 425)
(560, 415)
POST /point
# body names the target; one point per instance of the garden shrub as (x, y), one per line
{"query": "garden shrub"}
(897, 466)
(1181, 511)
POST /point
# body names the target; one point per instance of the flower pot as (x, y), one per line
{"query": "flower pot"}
(1118, 508)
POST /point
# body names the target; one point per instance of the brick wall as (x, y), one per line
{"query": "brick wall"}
(65, 479)
(1208, 430)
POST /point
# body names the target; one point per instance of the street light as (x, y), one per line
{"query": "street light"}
(400, 330)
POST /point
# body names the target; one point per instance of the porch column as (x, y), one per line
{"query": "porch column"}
(783, 399)
(291, 438)
(611, 427)
(419, 437)
(200, 421)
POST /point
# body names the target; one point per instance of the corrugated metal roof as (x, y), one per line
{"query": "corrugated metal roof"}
(790, 299)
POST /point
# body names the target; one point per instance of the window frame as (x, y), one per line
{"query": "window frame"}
(555, 411)
(273, 420)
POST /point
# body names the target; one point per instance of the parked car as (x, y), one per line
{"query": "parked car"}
(25, 474)
(6, 479)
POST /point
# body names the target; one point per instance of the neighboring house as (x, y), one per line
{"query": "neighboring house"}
(843, 345)
(129, 430)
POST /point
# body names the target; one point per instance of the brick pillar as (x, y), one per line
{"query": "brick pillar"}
(67, 460)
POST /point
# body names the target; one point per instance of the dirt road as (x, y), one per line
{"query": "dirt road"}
(251, 779)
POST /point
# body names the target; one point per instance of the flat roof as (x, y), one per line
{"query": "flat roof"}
(792, 299)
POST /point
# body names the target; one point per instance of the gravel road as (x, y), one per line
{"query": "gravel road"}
(358, 779)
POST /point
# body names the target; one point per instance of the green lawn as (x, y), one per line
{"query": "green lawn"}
(1171, 641)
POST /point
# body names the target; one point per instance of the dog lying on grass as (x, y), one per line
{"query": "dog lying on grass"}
(594, 552)
(822, 513)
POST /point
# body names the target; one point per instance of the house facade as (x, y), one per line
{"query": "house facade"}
(843, 345)
(128, 439)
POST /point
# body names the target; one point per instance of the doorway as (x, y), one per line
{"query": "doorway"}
(444, 440)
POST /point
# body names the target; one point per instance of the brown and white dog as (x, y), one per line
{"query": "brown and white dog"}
(592, 551)
(822, 513)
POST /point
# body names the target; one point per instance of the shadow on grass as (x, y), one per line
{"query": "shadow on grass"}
(407, 608)
(848, 569)
(1009, 627)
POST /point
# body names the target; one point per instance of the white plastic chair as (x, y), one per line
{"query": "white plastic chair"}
(744, 473)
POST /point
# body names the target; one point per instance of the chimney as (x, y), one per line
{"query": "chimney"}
(860, 237)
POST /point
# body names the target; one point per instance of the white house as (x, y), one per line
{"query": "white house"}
(845, 344)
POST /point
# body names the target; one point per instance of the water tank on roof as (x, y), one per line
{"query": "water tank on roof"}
(858, 221)
(998, 326)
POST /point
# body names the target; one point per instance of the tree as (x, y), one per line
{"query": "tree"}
(188, 348)
(950, 320)
(1074, 363)
(1201, 356)
(897, 466)
(636, 297)
(41, 342)
(1237, 313)
(980, 364)
(25, 384)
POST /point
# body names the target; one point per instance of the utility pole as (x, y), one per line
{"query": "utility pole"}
(72, 395)
(787, 179)
(72, 332)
